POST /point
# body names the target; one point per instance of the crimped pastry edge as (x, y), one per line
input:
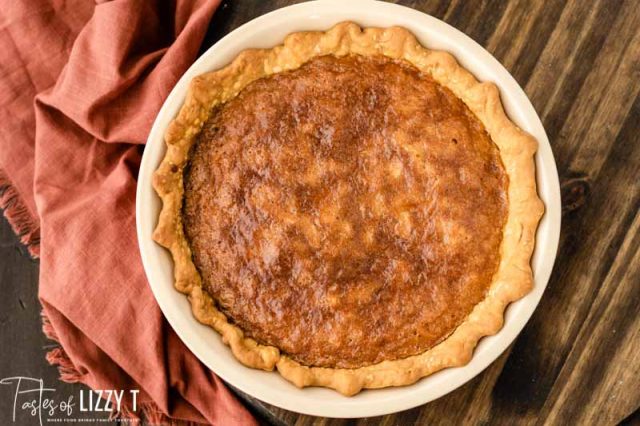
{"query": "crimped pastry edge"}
(513, 279)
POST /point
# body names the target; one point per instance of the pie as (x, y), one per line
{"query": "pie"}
(349, 208)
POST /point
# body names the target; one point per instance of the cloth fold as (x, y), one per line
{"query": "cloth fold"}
(68, 166)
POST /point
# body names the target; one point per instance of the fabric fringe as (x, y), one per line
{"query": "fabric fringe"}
(47, 328)
(70, 374)
(16, 212)
(57, 356)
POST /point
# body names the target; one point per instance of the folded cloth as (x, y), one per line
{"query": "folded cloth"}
(68, 165)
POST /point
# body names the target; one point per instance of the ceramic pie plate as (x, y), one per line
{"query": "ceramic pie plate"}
(268, 31)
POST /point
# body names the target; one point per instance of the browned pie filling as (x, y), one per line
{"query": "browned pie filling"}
(348, 212)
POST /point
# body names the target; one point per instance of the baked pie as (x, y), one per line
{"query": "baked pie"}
(349, 208)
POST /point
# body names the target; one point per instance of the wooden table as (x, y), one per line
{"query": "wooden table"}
(578, 359)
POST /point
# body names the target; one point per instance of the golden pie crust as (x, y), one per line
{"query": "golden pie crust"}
(511, 281)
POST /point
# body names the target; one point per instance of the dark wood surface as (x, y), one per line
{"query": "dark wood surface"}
(578, 359)
(22, 344)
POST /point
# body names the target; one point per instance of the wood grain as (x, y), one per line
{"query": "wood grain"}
(578, 359)
(22, 344)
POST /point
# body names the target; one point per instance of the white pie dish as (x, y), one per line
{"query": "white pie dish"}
(268, 31)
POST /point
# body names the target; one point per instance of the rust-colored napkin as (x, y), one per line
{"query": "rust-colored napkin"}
(80, 85)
